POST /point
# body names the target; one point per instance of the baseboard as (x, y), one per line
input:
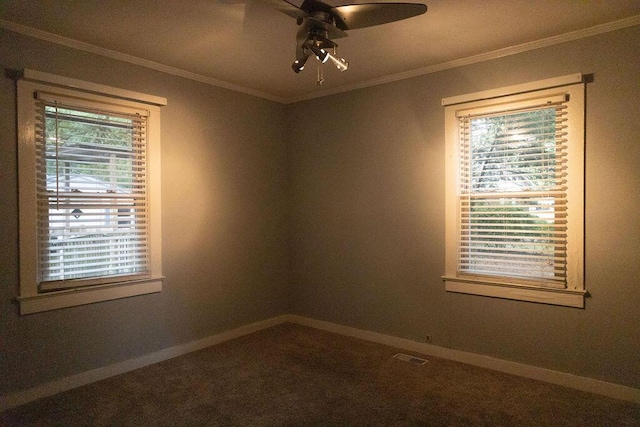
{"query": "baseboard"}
(577, 382)
(54, 387)
(590, 385)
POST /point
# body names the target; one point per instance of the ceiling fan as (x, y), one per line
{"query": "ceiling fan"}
(320, 23)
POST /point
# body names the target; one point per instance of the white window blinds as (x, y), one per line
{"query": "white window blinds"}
(513, 192)
(91, 189)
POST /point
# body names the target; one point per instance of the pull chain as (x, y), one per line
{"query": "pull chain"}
(320, 74)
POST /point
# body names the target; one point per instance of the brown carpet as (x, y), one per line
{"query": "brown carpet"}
(293, 375)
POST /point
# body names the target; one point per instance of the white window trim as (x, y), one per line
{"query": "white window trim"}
(31, 301)
(573, 295)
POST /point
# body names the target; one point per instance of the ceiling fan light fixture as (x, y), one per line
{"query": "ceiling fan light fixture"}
(298, 64)
(340, 63)
(321, 54)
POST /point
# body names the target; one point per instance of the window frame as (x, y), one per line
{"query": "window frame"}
(31, 299)
(573, 294)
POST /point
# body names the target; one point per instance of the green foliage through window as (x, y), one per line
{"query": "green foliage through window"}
(90, 144)
(512, 195)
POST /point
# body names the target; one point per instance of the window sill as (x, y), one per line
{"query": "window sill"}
(74, 297)
(563, 297)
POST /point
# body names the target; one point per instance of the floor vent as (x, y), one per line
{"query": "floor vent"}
(409, 358)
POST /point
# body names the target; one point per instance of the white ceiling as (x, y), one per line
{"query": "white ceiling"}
(248, 46)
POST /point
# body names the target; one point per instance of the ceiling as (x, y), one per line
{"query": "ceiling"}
(248, 46)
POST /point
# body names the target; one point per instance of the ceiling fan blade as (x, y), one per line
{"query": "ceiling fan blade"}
(287, 8)
(352, 16)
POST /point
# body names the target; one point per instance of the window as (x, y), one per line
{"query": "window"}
(89, 164)
(515, 192)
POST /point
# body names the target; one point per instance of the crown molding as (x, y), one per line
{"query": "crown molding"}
(487, 56)
(86, 47)
(474, 59)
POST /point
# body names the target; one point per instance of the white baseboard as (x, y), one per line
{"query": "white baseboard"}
(54, 387)
(604, 388)
(590, 385)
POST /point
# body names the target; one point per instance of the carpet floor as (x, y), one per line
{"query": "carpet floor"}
(291, 375)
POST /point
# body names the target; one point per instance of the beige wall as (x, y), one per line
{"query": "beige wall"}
(264, 215)
(368, 215)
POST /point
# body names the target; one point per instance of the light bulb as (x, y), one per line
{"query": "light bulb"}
(340, 63)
